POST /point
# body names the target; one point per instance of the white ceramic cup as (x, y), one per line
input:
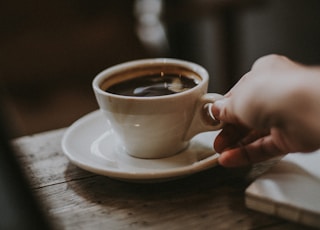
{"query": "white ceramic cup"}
(157, 126)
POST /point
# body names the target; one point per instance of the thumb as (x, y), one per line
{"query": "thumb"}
(220, 110)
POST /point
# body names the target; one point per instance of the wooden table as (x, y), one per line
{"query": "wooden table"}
(77, 199)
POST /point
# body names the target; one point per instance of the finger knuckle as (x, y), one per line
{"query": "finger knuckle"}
(268, 61)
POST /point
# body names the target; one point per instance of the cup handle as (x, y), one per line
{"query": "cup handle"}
(203, 120)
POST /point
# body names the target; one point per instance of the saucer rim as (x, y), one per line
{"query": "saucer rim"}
(116, 173)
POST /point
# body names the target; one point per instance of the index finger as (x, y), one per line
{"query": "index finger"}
(229, 137)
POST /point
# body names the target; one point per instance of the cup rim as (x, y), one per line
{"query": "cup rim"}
(194, 67)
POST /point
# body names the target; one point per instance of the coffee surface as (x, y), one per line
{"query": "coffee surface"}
(153, 85)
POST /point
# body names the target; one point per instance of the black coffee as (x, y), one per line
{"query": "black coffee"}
(153, 85)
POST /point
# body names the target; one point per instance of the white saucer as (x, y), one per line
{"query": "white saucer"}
(90, 144)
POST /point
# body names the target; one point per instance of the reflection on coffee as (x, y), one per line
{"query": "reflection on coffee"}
(153, 85)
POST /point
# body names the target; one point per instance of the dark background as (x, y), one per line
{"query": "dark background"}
(51, 50)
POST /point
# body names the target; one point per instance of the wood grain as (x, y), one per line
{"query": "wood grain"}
(76, 199)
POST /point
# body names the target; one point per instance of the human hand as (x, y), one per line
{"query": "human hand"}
(274, 109)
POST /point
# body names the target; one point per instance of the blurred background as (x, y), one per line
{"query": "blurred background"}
(51, 50)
